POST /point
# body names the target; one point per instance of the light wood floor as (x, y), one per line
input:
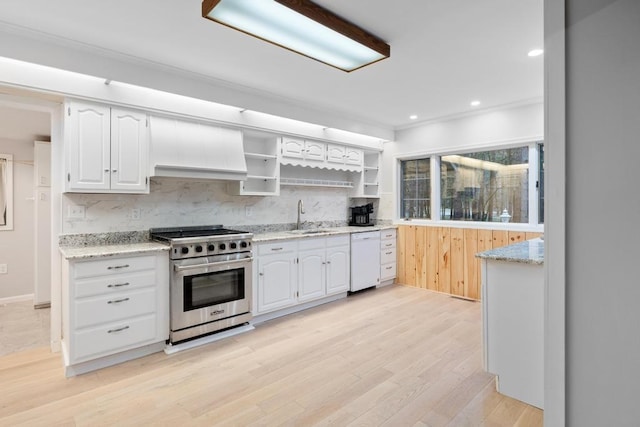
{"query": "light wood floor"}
(396, 356)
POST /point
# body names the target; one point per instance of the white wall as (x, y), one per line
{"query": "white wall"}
(602, 212)
(517, 124)
(18, 130)
(175, 202)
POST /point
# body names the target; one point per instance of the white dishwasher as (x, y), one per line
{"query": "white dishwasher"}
(365, 260)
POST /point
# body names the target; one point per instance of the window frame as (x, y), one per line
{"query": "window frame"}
(435, 157)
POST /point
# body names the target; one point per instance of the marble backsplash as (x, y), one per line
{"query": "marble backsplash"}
(174, 202)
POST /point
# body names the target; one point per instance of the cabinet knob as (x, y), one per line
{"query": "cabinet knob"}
(261, 274)
(114, 171)
(106, 170)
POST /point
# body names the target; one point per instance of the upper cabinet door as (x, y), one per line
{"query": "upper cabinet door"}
(353, 156)
(314, 150)
(336, 153)
(129, 150)
(88, 154)
(292, 147)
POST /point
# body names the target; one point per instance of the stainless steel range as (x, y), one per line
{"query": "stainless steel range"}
(210, 279)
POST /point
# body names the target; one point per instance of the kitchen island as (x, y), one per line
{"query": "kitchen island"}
(513, 319)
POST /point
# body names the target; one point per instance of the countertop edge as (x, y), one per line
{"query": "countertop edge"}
(527, 252)
(99, 251)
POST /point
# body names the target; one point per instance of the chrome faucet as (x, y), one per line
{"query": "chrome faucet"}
(300, 211)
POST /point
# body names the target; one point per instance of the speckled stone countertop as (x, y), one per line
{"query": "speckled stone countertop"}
(529, 252)
(83, 252)
(332, 231)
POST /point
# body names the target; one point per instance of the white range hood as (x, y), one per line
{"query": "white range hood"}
(185, 149)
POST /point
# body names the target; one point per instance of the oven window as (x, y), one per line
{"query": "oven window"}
(204, 290)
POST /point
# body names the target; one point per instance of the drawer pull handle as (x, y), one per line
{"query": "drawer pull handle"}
(111, 331)
(389, 268)
(116, 301)
(276, 249)
(118, 285)
(389, 253)
(389, 244)
(117, 267)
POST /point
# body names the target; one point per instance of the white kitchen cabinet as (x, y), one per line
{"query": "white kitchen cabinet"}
(338, 265)
(344, 155)
(388, 256)
(300, 271)
(367, 182)
(111, 306)
(277, 276)
(313, 151)
(262, 155)
(106, 149)
(312, 273)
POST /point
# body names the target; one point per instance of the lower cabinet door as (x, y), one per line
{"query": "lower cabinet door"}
(311, 275)
(277, 282)
(338, 273)
(103, 340)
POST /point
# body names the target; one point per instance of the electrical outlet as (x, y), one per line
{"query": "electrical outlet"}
(3, 268)
(135, 213)
(76, 212)
(248, 210)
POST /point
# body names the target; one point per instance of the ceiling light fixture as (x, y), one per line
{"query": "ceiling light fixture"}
(535, 52)
(413, 117)
(475, 103)
(303, 27)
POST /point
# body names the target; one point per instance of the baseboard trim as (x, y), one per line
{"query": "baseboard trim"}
(17, 298)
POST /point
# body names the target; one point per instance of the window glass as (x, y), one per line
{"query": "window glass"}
(416, 188)
(485, 186)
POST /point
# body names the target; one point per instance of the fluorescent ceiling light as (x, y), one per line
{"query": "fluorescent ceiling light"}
(535, 52)
(475, 103)
(413, 117)
(303, 27)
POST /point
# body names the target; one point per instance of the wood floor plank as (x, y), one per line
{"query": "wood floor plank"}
(391, 356)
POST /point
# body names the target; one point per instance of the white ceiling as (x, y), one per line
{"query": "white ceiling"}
(444, 53)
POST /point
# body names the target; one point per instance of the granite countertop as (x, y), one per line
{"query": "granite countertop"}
(329, 231)
(95, 251)
(529, 252)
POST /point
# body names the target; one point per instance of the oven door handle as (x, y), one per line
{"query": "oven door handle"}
(179, 268)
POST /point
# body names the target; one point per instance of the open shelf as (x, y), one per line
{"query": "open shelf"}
(308, 182)
(260, 156)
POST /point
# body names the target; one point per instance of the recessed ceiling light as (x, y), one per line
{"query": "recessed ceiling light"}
(535, 52)
(413, 117)
(475, 103)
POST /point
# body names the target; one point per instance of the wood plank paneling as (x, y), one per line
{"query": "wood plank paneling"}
(421, 257)
(500, 238)
(400, 246)
(530, 235)
(516, 237)
(471, 263)
(444, 259)
(431, 234)
(457, 261)
(410, 251)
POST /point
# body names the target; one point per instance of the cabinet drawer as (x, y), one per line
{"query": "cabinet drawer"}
(388, 256)
(112, 338)
(340, 240)
(113, 266)
(311, 243)
(111, 308)
(276, 247)
(388, 234)
(387, 244)
(114, 284)
(388, 271)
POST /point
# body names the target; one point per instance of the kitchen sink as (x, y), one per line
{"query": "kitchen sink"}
(314, 231)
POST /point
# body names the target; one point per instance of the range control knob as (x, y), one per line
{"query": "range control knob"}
(211, 248)
(243, 244)
(222, 246)
(198, 248)
(234, 245)
(184, 250)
